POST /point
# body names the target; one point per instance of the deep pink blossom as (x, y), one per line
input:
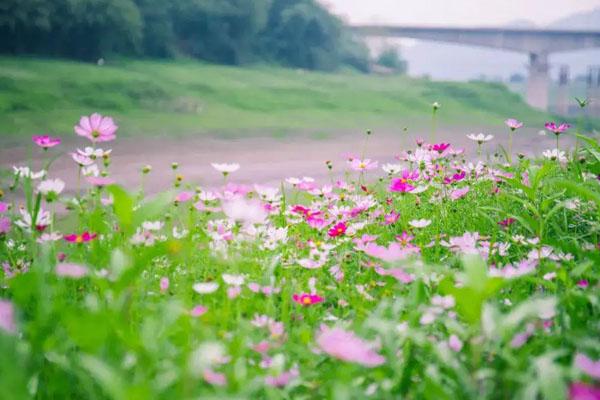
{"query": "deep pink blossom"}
(3, 207)
(307, 299)
(338, 229)
(45, 141)
(96, 128)
(80, 238)
(557, 129)
(583, 391)
(440, 147)
(347, 346)
(506, 222)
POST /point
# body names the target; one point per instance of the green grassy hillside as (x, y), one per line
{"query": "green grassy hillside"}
(149, 97)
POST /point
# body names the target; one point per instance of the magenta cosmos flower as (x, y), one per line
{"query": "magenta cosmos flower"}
(97, 128)
(337, 230)
(83, 238)
(307, 299)
(347, 346)
(45, 141)
(513, 124)
(583, 391)
(557, 129)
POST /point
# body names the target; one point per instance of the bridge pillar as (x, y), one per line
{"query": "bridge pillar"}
(537, 84)
(593, 91)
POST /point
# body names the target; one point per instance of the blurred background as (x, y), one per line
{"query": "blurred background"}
(261, 79)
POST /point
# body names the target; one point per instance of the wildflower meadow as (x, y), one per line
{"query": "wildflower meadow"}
(443, 275)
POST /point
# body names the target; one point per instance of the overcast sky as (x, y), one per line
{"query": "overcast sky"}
(457, 12)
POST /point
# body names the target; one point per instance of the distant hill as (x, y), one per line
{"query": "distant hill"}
(454, 62)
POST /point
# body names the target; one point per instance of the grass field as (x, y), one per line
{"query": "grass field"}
(146, 97)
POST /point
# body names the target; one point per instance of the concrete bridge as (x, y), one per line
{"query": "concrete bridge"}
(538, 43)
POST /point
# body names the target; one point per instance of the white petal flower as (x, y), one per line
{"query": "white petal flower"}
(480, 137)
(226, 168)
(235, 280)
(205, 287)
(420, 223)
(48, 186)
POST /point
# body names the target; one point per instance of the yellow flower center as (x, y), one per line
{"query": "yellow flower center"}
(306, 300)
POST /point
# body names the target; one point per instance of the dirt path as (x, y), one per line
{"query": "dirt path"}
(263, 160)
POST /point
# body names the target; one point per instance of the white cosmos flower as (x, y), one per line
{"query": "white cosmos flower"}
(48, 186)
(43, 219)
(480, 137)
(90, 170)
(94, 153)
(246, 211)
(82, 160)
(554, 155)
(392, 169)
(25, 172)
(207, 196)
(152, 225)
(234, 280)
(205, 287)
(226, 168)
(420, 223)
(268, 193)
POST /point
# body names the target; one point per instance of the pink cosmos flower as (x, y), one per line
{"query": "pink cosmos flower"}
(391, 218)
(397, 273)
(402, 184)
(282, 379)
(7, 317)
(214, 378)
(363, 165)
(583, 284)
(83, 238)
(164, 284)
(338, 229)
(513, 124)
(4, 225)
(459, 193)
(405, 239)
(68, 270)
(100, 181)
(183, 197)
(198, 311)
(96, 128)
(583, 391)
(392, 253)
(455, 343)
(587, 365)
(346, 346)
(3, 207)
(45, 141)
(307, 299)
(557, 129)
